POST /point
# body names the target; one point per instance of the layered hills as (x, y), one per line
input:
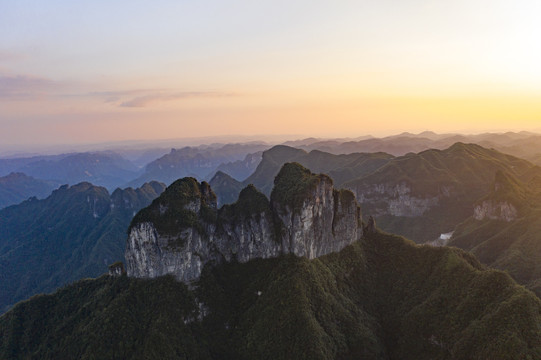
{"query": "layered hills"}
(418, 195)
(339, 167)
(424, 195)
(521, 144)
(105, 168)
(202, 162)
(74, 233)
(292, 275)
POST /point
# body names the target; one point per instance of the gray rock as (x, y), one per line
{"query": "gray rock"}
(327, 221)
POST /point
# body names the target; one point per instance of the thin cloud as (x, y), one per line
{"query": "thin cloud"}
(153, 99)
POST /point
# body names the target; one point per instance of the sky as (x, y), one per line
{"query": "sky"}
(94, 71)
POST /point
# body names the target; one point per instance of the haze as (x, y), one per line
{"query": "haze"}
(79, 72)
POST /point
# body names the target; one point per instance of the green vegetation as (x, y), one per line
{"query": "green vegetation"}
(250, 202)
(293, 184)
(175, 209)
(74, 233)
(454, 179)
(381, 298)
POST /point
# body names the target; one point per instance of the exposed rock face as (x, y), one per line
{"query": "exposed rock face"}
(182, 230)
(117, 269)
(498, 205)
(396, 200)
(493, 210)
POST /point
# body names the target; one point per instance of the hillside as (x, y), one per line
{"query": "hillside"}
(424, 195)
(504, 231)
(17, 187)
(74, 233)
(380, 298)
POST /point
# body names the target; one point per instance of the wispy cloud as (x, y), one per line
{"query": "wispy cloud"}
(29, 87)
(118, 97)
(153, 99)
(26, 87)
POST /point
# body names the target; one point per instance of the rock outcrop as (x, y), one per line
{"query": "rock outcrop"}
(182, 230)
(495, 211)
(397, 200)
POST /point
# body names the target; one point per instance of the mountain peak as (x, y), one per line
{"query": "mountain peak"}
(181, 231)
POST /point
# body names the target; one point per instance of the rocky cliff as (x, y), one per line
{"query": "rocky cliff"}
(508, 197)
(183, 230)
(495, 211)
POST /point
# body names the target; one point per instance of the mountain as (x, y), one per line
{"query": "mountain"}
(14, 164)
(104, 168)
(17, 187)
(74, 233)
(226, 188)
(198, 162)
(382, 297)
(182, 230)
(427, 194)
(504, 230)
(335, 295)
(339, 167)
(522, 144)
(241, 169)
(101, 168)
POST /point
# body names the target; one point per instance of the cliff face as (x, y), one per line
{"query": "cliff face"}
(495, 211)
(397, 200)
(182, 230)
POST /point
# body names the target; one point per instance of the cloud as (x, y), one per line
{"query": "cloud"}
(152, 99)
(26, 87)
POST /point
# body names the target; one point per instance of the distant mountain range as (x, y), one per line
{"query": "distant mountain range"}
(113, 169)
(523, 144)
(74, 233)
(103, 168)
(381, 297)
(340, 167)
(202, 162)
(17, 187)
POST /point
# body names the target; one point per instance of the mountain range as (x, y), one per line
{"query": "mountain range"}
(74, 233)
(419, 196)
(201, 162)
(379, 296)
(522, 144)
(106, 169)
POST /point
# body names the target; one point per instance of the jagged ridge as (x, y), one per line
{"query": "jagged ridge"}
(182, 230)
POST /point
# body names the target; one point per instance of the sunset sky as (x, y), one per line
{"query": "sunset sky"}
(92, 71)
